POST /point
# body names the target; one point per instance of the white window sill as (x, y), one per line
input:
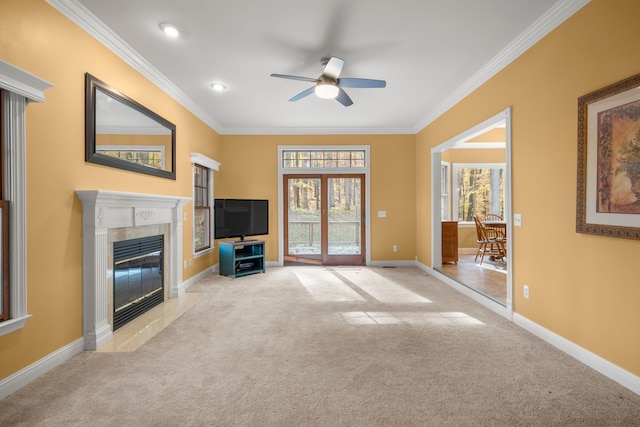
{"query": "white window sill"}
(202, 253)
(13, 325)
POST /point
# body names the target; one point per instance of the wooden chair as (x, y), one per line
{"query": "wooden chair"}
(491, 242)
(493, 217)
(500, 229)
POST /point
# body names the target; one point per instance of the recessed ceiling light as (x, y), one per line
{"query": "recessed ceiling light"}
(170, 30)
(218, 87)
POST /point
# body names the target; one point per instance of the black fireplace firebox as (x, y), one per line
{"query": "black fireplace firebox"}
(138, 283)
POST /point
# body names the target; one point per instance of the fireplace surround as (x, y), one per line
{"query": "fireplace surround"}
(109, 216)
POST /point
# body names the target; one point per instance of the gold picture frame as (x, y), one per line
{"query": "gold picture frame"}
(608, 201)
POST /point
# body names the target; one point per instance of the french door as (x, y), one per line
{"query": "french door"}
(324, 219)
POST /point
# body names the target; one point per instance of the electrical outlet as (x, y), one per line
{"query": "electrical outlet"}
(526, 291)
(185, 264)
(395, 248)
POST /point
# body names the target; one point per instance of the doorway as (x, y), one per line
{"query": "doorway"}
(470, 287)
(324, 219)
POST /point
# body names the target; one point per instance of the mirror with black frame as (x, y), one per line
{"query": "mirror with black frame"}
(121, 133)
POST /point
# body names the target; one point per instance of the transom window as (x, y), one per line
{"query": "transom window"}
(479, 190)
(323, 159)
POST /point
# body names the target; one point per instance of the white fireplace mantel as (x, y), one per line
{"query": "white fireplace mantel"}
(103, 210)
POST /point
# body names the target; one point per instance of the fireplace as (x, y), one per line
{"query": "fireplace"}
(138, 283)
(109, 217)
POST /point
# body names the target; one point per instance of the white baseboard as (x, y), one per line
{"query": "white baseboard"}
(25, 376)
(392, 263)
(193, 279)
(606, 368)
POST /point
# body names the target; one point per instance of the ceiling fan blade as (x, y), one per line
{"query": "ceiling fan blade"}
(333, 68)
(343, 98)
(363, 83)
(303, 94)
(286, 76)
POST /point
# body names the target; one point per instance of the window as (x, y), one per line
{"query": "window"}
(323, 159)
(203, 168)
(479, 190)
(445, 185)
(201, 209)
(20, 88)
(4, 230)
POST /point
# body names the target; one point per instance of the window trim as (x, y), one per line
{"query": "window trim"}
(366, 171)
(212, 165)
(445, 197)
(20, 88)
(454, 182)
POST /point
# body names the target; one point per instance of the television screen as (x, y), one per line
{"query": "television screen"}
(240, 218)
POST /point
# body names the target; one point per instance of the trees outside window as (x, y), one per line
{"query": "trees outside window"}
(478, 189)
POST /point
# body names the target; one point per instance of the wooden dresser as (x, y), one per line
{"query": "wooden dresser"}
(450, 241)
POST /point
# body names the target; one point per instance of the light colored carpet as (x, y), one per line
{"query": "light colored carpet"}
(314, 346)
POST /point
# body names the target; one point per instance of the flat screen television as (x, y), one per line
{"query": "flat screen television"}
(238, 218)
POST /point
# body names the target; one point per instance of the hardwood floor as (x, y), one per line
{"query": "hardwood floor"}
(489, 279)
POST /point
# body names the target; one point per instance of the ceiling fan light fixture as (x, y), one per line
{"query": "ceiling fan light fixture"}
(327, 90)
(170, 30)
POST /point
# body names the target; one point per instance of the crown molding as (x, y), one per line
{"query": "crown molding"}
(82, 17)
(555, 16)
(318, 131)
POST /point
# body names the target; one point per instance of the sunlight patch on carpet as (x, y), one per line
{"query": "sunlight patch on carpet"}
(323, 285)
(381, 288)
(408, 317)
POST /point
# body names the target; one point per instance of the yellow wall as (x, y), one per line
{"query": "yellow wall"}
(582, 287)
(250, 169)
(38, 39)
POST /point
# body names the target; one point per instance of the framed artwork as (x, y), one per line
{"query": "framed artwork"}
(609, 161)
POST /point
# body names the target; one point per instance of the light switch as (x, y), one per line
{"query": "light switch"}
(382, 214)
(517, 220)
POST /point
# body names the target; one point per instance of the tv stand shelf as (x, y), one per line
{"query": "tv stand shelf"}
(241, 258)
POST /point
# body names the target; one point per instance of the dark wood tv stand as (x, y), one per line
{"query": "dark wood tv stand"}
(241, 258)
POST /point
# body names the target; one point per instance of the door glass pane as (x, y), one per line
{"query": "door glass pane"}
(304, 216)
(344, 216)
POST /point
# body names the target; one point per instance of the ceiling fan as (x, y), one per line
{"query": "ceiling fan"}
(329, 84)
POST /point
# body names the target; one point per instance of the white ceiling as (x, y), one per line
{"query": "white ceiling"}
(430, 52)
